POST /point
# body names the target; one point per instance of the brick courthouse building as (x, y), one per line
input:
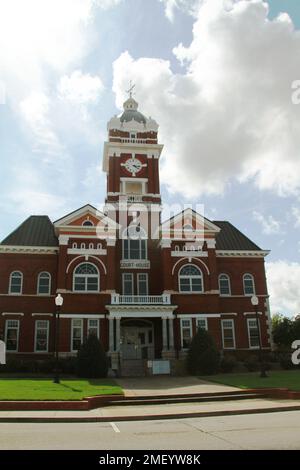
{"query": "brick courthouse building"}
(142, 286)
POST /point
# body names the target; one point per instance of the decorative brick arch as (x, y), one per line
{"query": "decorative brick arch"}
(90, 258)
(189, 260)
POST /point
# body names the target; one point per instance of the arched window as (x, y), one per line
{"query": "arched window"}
(16, 282)
(99, 246)
(74, 245)
(135, 243)
(87, 223)
(86, 278)
(44, 283)
(82, 246)
(249, 286)
(91, 246)
(190, 279)
(224, 284)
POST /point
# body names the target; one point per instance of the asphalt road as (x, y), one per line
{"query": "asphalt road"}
(262, 431)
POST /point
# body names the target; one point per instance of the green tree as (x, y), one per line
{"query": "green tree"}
(203, 356)
(283, 330)
(91, 359)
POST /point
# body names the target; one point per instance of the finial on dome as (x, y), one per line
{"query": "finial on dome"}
(131, 87)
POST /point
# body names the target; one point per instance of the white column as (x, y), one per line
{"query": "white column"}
(118, 331)
(171, 333)
(164, 334)
(111, 334)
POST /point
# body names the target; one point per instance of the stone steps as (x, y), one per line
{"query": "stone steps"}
(133, 368)
(195, 398)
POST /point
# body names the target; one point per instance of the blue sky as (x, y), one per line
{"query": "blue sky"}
(64, 69)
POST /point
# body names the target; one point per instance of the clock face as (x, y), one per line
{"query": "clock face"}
(133, 165)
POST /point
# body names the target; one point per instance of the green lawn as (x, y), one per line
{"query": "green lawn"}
(284, 379)
(45, 389)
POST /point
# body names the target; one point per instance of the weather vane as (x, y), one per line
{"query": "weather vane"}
(131, 87)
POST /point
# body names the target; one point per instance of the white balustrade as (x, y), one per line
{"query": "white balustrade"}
(118, 299)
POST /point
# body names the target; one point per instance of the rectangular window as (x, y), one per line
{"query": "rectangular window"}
(93, 327)
(15, 284)
(253, 333)
(134, 249)
(44, 284)
(142, 283)
(186, 333)
(76, 334)
(228, 335)
(128, 288)
(12, 335)
(41, 336)
(202, 323)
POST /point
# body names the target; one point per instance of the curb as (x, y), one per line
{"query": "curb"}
(105, 419)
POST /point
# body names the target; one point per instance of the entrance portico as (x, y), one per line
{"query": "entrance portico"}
(141, 332)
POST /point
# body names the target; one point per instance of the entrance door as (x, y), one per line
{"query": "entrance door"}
(137, 342)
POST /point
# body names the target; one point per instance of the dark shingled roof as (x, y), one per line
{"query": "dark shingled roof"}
(37, 230)
(230, 238)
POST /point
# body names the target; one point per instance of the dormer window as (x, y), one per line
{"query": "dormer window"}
(87, 223)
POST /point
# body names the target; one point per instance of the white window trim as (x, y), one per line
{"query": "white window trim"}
(18, 335)
(233, 330)
(138, 283)
(98, 326)
(10, 278)
(190, 277)
(202, 319)
(259, 332)
(35, 337)
(38, 284)
(90, 224)
(91, 275)
(123, 283)
(140, 250)
(185, 327)
(72, 330)
(229, 284)
(254, 289)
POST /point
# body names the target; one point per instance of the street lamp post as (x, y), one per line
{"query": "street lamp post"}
(254, 302)
(58, 302)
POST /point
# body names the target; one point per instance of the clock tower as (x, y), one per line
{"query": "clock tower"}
(131, 158)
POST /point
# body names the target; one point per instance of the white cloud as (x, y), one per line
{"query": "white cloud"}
(296, 216)
(35, 111)
(40, 42)
(283, 283)
(228, 115)
(188, 6)
(269, 224)
(80, 88)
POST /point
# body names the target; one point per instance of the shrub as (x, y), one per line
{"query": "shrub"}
(228, 363)
(203, 356)
(286, 362)
(251, 363)
(91, 359)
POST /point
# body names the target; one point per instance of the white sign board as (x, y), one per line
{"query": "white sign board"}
(2, 353)
(161, 367)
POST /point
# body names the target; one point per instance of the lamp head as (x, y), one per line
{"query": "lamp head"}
(254, 300)
(59, 300)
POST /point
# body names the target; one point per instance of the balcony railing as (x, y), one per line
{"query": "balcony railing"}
(134, 198)
(117, 299)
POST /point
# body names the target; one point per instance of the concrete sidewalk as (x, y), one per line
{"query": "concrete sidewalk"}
(138, 413)
(168, 386)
